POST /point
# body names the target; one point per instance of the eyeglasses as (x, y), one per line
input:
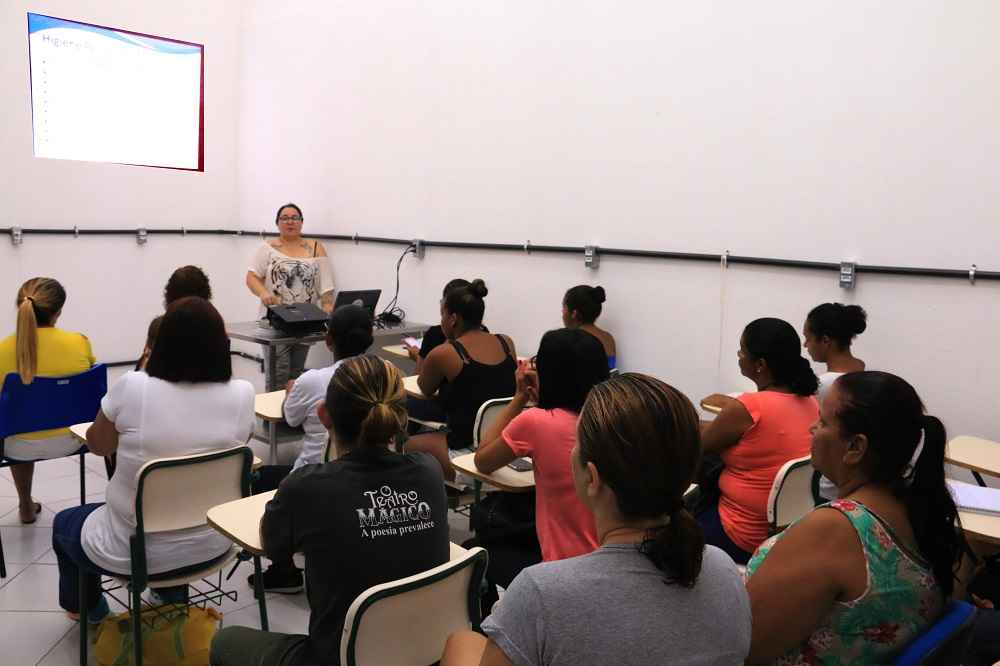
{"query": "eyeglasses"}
(290, 218)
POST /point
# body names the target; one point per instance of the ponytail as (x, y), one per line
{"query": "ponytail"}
(802, 380)
(366, 402)
(677, 548)
(27, 340)
(931, 509)
(39, 300)
(383, 422)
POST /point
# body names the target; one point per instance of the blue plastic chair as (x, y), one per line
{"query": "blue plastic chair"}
(945, 642)
(48, 403)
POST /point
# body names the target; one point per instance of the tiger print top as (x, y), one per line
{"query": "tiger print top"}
(293, 279)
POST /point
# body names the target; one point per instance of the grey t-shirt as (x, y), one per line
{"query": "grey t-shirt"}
(612, 607)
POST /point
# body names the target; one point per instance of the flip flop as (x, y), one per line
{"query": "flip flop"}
(38, 510)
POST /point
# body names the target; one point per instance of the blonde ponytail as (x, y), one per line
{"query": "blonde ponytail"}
(39, 300)
(366, 402)
(27, 340)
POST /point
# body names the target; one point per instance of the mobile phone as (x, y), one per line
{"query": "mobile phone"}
(521, 465)
(412, 342)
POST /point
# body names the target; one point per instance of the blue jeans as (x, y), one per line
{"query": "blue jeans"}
(715, 535)
(66, 530)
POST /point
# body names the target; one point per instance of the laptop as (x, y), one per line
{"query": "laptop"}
(366, 298)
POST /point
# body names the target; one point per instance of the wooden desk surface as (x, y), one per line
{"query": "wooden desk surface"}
(239, 521)
(268, 405)
(79, 431)
(397, 350)
(979, 455)
(411, 386)
(981, 526)
(504, 478)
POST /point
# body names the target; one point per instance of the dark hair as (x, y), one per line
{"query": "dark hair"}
(287, 205)
(457, 283)
(887, 410)
(350, 328)
(586, 300)
(777, 343)
(839, 322)
(643, 437)
(570, 362)
(38, 302)
(151, 332)
(366, 402)
(467, 302)
(192, 345)
(187, 281)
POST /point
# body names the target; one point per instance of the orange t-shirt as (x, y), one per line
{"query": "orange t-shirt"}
(780, 432)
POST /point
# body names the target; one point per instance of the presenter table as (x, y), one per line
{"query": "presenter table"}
(261, 333)
(980, 456)
(239, 521)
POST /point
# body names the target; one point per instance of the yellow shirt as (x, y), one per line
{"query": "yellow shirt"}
(60, 353)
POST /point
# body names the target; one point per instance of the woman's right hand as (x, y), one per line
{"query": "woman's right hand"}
(270, 299)
(527, 382)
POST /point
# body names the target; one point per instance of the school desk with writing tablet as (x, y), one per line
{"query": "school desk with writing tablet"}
(268, 407)
(504, 478)
(412, 387)
(79, 431)
(981, 526)
(239, 521)
(396, 350)
(975, 454)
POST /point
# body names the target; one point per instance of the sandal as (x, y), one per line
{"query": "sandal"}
(34, 516)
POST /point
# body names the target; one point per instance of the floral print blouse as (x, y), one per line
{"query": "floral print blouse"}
(901, 601)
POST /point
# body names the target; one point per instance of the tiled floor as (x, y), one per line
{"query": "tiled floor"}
(34, 630)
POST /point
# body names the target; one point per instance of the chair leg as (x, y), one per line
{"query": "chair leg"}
(3, 562)
(83, 481)
(82, 609)
(136, 625)
(258, 584)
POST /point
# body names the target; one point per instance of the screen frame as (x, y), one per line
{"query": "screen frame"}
(201, 90)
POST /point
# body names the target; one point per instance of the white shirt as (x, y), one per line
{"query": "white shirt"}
(300, 409)
(158, 419)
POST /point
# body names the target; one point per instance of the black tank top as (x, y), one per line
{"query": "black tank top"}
(475, 384)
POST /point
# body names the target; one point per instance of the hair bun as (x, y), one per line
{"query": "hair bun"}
(856, 319)
(598, 294)
(478, 288)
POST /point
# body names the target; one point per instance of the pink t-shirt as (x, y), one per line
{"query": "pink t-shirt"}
(565, 526)
(780, 432)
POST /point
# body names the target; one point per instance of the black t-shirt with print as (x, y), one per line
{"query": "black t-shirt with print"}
(369, 517)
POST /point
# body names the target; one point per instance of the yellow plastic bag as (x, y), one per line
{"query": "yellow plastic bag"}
(180, 639)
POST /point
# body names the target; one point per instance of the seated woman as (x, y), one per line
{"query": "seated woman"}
(827, 335)
(39, 349)
(857, 579)
(348, 333)
(581, 308)
(317, 509)
(757, 433)
(186, 281)
(569, 364)
(186, 402)
(429, 409)
(652, 593)
(472, 368)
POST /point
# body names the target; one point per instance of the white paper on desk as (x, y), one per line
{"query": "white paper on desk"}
(977, 499)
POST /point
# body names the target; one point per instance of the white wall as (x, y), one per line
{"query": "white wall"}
(805, 130)
(115, 286)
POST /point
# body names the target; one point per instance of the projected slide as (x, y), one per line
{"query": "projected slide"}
(106, 95)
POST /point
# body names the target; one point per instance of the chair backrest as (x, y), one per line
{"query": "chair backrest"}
(406, 622)
(945, 642)
(176, 493)
(487, 413)
(51, 402)
(791, 493)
